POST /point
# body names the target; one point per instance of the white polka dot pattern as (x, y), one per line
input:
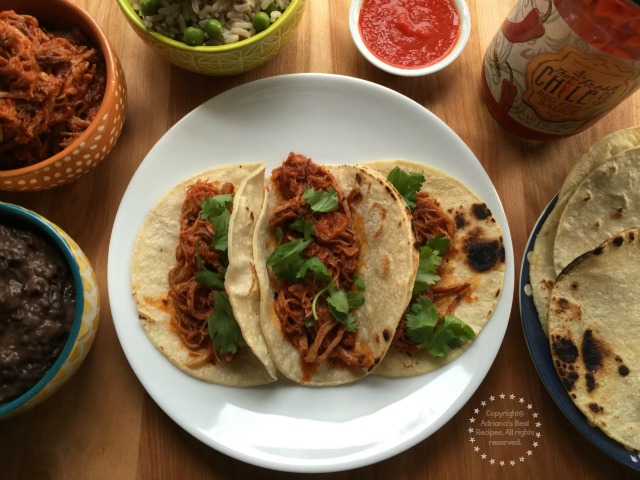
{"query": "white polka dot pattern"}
(88, 150)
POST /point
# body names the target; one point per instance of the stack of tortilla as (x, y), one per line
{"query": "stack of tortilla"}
(582, 277)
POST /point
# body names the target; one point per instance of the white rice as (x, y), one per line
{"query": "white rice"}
(174, 16)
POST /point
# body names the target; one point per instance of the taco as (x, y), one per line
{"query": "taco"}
(194, 281)
(460, 272)
(335, 258)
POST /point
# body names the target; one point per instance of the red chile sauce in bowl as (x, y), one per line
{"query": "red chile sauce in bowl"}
(37, 306)
(409, 33)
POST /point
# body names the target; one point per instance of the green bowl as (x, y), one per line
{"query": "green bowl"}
(222, 60)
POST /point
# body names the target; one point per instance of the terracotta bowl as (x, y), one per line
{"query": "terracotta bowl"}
(87, 312)
(222, 60)
(93, 145)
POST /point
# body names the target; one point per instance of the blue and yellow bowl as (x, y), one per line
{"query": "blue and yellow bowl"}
(222, 60)
(85, 322)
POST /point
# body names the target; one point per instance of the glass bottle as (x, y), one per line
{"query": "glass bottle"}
(557, 66)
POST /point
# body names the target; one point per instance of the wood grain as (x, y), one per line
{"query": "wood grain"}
(103, 425)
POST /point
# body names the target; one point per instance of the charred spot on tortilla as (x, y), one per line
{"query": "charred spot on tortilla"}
(385, 264)
(387, 335)
(595, 408)
(618, 241)
(563, 303)
(389, 190)
(574, 285)
(590, 381)
(460, 220)
(592, 352)
(480, 211)
(623, 370)
(355, 196)
(617, 213)
(565, 349)
(482, 255)
(569, 380)
(597, 251)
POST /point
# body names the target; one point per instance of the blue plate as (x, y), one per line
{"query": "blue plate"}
(540, 351)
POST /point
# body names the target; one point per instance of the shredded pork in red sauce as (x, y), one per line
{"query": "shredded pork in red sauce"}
(51, 87)
(430, 220)
(336, 243)
(193, 302)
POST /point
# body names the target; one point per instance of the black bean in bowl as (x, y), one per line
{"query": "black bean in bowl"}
(37, 308)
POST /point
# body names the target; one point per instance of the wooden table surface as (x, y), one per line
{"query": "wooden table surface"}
(103, 425)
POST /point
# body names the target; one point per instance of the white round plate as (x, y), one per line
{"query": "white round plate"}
(282, 426)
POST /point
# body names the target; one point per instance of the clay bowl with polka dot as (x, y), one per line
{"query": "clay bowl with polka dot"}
(97, 140)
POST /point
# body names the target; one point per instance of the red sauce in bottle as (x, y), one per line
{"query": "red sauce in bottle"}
(409, 33)
(557, 66)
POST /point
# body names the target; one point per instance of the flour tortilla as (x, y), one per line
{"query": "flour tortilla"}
(594, 331)
(542, 271)
(387, 267)
(475, 222)
(604, 203)
(154, 257)
(544, 268)
(601, 151)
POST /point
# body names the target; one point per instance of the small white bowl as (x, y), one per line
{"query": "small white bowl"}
(465, 29)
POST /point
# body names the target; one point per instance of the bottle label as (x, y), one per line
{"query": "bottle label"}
(547, 78)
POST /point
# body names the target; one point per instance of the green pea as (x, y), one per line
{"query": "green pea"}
(193, 36)
(271, 8)
(213, 27)
(149, 7)
(261, 21)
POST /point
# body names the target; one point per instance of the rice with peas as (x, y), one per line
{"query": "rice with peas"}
(174, 16)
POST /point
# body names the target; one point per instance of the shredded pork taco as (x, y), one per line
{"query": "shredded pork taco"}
(460, 270)
(335, 258)
(194, 279)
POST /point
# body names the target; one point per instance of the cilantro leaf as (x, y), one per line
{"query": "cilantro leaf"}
(439, 243)
(339, 307)
(427, 267)
(286, 260)
(208, 278)
(221, 228)
(303, 226)
(356, 297)
(408, 184)
(421, 321)
(321, 200)
(452, 333)
(212, 207)
(223, 329)
(428, 263)
(315, 265)
(421, 329)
